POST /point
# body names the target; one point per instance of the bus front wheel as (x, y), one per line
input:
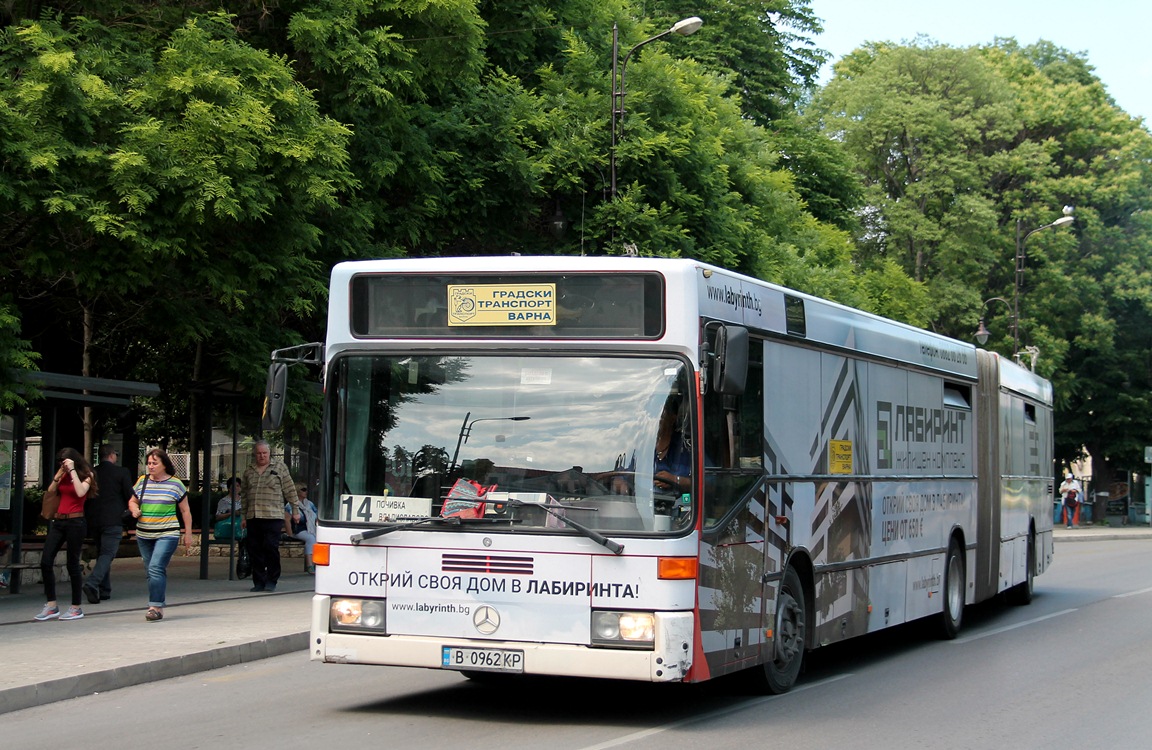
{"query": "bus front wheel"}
(779, 672)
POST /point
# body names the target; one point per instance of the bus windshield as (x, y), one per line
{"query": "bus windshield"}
(512, 440)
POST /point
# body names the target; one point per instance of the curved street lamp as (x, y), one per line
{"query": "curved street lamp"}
(685, 27)
(1064, 220)
(982, 332)
(1021, 237)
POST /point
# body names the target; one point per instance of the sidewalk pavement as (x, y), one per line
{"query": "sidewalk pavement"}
(1093, 533)
(207, 624)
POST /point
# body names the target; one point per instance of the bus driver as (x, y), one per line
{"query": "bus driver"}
(672, 465)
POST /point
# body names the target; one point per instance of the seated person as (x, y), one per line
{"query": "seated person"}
(305, 528)
(227, 519)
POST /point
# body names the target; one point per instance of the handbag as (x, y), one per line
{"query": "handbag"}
(50, 502)
(227, 528)
(301, 525)
(127, 520)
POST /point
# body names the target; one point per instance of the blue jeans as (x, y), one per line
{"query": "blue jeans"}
(309, 540)
(108, 543)
(156, 554)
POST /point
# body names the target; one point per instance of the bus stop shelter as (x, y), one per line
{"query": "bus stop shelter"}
(54, 395)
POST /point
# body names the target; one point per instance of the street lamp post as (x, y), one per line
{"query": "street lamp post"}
(1021, 238)
(685, 27)
(1018, 283)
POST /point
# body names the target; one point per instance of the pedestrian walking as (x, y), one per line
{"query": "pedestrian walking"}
(105, 516)
(73, 481)
(159, 502)
(265, 489)
(1071, 495)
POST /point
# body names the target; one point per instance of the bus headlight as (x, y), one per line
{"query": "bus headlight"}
(624, 629)
(356, 616)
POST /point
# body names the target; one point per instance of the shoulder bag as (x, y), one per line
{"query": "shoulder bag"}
(127, 520)
(50, 502)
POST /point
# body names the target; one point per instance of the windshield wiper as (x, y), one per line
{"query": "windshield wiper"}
(446, 520)
(614, 547)
(373, 533)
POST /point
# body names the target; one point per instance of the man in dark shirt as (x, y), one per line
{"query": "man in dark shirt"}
(106, 521)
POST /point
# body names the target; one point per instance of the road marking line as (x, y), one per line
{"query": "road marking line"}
(1006, 628)
(751, 703)
(1132, 593)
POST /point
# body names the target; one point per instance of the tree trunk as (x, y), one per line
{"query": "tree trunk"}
(86, 371)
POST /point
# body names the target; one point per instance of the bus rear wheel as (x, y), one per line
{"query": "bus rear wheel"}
(778, 674)
(1021, 593)
(953, 614)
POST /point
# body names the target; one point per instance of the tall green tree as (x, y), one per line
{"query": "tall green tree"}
(160, 198)
(927, 125)
(1087, 290)
(961, 148)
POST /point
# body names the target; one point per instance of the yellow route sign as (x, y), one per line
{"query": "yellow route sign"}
(501, 304)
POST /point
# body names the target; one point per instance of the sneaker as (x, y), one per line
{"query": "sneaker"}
(73, 613)
(48, 613)
(270, 588)
(256, 588)
(92, 593)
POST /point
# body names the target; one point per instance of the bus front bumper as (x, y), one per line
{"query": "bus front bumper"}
(669, 661)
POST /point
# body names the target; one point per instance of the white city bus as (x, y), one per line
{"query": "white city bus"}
(655, 469)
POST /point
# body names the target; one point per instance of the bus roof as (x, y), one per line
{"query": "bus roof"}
(712, 292)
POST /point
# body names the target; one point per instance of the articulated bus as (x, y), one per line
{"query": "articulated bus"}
(657, 470)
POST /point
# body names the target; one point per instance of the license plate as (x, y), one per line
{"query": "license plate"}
(482, 659)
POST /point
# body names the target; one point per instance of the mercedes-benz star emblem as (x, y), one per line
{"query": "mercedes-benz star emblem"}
(486, 619)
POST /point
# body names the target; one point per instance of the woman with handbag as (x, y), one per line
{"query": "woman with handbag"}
(159, 503)
(73, 481)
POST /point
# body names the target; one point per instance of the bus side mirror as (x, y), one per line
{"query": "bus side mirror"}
(730, 370)
(274, 395)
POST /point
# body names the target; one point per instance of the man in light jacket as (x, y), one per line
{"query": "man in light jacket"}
(265, 489)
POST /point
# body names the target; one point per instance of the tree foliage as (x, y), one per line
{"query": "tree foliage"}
(958, 149)
(177, 179)
(158, 197)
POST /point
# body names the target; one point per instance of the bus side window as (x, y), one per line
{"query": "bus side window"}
(733, 430)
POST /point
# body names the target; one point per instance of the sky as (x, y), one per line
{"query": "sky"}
(1111, 34)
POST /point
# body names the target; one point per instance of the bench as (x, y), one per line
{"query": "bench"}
(30, 553)
(289, 546)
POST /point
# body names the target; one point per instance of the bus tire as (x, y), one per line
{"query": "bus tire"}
(954, 581)
(778, 674)
(1021, 593)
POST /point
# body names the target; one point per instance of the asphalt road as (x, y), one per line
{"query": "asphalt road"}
(1069, 671)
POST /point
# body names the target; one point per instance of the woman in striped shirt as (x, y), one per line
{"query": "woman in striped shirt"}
(158, 497)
